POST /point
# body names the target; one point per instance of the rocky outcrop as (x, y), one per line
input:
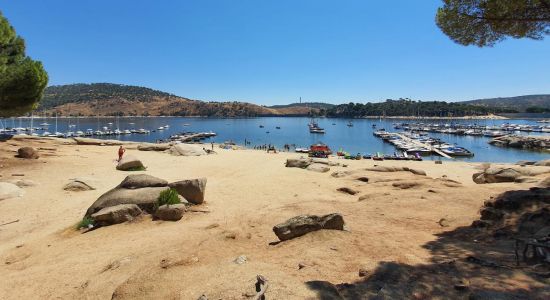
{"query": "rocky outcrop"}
(99, 142)
(10, 190)
(146, 198)
(543, 163)
(192, 190)
(27, 153)
(303, 224)
(153, 147)
(396, 169)
(116, 214)
(173, 212)
(128, 163)
(138, 181)
(187, 150)
(541, 143)
(301, 163)
(516, 213)
(496, 174)
(545, 183)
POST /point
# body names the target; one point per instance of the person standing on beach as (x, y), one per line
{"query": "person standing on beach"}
(212, 144)
(121, 151)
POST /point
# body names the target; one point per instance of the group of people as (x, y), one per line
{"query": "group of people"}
(270, 147)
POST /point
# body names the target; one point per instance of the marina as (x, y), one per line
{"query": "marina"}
(300, 132)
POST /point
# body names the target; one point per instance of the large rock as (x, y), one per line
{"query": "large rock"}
(187, 150)
(10, 190)
(153, 147)
(145, 198)
(172, 212)
(192, 190)
(27, 152)
(316, 167)
(129, 162)
(138, 181)
(298, 163)
(304, 224)
(543, 163)
(116, 214)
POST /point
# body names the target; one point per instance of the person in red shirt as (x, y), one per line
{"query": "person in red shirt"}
(120, 152)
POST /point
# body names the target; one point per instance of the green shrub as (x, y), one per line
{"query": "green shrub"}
(169, 197)
(86, 221)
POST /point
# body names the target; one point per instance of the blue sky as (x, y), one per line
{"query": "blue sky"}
(273, 51)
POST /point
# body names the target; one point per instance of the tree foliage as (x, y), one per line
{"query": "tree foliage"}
(486, 22)
(22, 80)
(407, 107)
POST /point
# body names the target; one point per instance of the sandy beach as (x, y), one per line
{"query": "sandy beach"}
(43, 256)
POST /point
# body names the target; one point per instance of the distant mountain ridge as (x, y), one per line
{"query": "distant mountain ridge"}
(519, 103)
(108, 99)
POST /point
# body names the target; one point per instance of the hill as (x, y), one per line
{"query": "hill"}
(107, 99)
(519, 103)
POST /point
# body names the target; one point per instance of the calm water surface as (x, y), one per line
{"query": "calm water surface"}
(356, 139)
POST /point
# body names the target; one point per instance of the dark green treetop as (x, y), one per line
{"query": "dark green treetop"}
(486, 22)
(22, 80)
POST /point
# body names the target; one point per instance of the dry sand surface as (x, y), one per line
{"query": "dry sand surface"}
(42, 256)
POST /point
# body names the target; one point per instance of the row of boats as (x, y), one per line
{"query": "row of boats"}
(72, 132)
(412, 143)
(472, 129)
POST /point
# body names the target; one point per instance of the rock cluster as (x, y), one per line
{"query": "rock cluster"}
(140, 192)
(303, 224)
(517, 213)
(523, 142)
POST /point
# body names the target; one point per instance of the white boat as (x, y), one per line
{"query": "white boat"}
(126, 131)
(160, 128)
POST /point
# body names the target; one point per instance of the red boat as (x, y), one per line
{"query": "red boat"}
(319, 150)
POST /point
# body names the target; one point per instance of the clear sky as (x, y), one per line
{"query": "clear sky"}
(273, 51)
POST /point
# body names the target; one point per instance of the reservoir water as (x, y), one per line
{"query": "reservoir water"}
(356, 139)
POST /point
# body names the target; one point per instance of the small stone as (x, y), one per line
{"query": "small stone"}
(443, 222)
(301, 266)
(363, 272)
(231, 235)
(240, 260)
(347, 190)
(461, 285)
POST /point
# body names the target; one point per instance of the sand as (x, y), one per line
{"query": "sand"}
(42, 256)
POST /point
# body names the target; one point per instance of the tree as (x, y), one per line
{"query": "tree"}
(22, 80)
(486, 22)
